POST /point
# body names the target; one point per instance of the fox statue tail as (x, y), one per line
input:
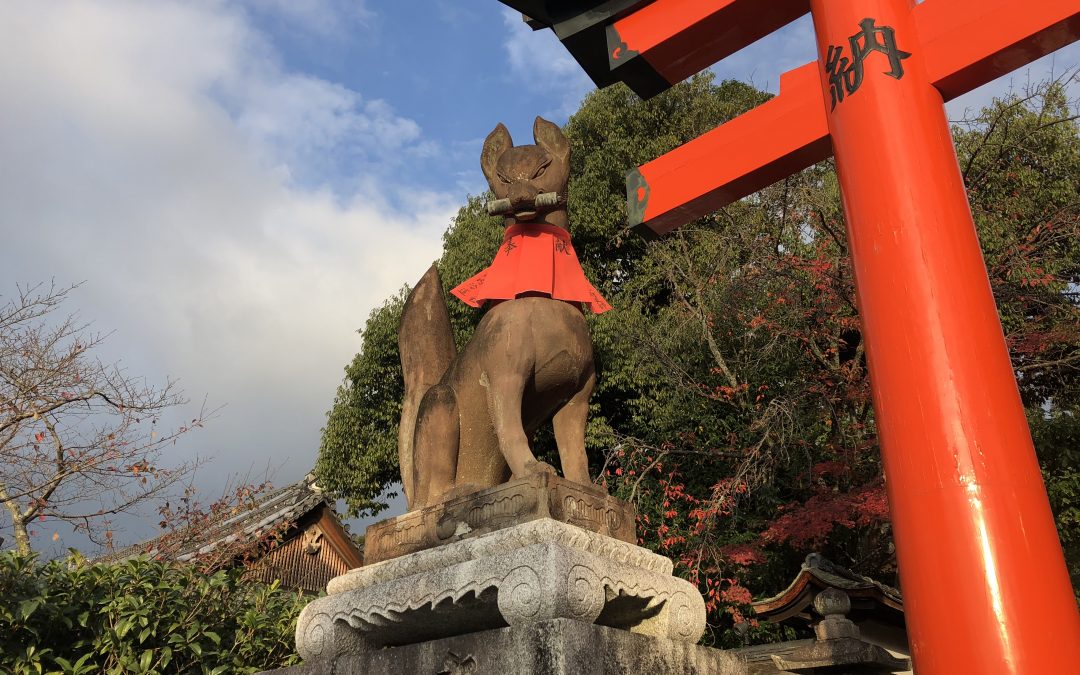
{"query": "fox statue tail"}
(426, 344)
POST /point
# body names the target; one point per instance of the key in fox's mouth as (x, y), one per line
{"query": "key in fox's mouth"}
(545, 201)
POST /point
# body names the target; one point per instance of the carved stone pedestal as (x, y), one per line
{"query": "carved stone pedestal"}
(542, 597)
(529, 573)
(537, 576)
(554, 647)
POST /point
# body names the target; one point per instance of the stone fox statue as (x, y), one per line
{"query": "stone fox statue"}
(467, 419)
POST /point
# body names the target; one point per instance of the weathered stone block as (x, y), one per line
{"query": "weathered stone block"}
(553, 647)
(542, 495)
(529, 573)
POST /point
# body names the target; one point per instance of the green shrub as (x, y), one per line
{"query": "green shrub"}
(140, 616)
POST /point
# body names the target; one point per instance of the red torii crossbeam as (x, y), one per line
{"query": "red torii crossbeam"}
(985, 584)
(790, 132)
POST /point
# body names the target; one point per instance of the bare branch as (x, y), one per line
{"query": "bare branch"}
(78, 438)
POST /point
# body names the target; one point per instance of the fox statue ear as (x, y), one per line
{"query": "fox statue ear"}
(497, 142)
(550, 137)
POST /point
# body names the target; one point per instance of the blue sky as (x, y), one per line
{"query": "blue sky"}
(238, 183)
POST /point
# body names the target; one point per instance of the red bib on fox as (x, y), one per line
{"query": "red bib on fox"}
(533, 258)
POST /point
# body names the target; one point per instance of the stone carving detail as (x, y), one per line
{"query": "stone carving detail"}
(584, 594)
(314, 629)
(532, 572)
(581, 513)
(685, 622)
(406, 535)
(458, 665)
(507, 507)
(403, 536)
(671, 613)
(321, 636)
(521, 596)
(502, 541)
(518, 501)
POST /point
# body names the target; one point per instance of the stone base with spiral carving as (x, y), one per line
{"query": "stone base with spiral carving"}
(530, 573)
(554, 647)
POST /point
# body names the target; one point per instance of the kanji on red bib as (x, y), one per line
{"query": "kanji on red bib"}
(533, 258)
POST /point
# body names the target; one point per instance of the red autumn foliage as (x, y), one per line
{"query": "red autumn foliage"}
(811, 522)
(743, 554)
(736, 594)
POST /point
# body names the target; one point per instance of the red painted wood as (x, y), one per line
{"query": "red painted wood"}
(756, 149)
(681, 37)
(971, 42)
(984, 579)
(965, 43)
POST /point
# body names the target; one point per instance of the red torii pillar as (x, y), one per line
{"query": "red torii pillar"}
(984, 579)
(985, 584)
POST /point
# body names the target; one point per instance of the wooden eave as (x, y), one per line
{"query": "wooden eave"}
(338, 538)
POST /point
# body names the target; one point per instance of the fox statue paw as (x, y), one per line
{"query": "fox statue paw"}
(535, 467)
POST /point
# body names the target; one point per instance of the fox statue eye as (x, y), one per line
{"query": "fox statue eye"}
(542, 169)
(503, 179)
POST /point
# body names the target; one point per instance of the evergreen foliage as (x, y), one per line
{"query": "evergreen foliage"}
(140, 616)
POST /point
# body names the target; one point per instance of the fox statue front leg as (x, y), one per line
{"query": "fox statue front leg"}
(569, 424)
(505, 389)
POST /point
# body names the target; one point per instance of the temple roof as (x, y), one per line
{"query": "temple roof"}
(868, 597)
(273, 511)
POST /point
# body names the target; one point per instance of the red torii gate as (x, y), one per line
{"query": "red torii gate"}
(985, 584)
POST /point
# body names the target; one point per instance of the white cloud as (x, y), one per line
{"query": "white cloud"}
(323, 18)
(308, 123)
(540, 63)
(160, 152)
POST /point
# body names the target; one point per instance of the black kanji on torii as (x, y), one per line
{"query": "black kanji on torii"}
(846, 75)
